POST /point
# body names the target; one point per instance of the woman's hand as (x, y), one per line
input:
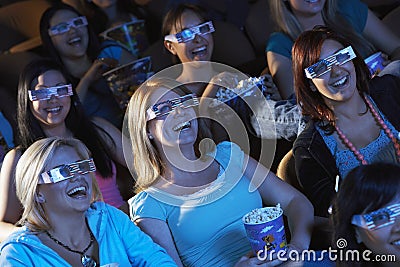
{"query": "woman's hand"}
(98, 67)
(94, 73)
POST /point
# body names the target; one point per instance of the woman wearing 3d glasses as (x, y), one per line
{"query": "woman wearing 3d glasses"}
(49, 106)
(64, 225)
(353, 120)
(194, 194)
(367, 214)
(70, 41)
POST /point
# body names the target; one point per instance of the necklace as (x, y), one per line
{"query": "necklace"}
(86, 260)
(381, 123)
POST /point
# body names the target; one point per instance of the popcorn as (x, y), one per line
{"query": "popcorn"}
(243, 88)
(263, 215)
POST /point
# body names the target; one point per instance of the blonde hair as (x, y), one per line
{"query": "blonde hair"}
(288, 23)
(147, 161)
(32, 163)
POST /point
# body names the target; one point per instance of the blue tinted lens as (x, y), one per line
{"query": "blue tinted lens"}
(78, 22)
(65, 171)
(204, 29)
(187, 34)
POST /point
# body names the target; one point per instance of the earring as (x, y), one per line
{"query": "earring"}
(150, 136)
(40, 198)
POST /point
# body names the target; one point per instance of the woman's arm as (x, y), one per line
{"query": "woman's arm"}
(296, 206)
(115, 144)
(10, 207)
(159, 231)
(281, 70)
(380, 36)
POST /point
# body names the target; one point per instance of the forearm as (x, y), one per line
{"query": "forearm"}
(82, 88)
(300, 215)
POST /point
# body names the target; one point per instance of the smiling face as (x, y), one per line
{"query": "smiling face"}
(198, 49)
(179, 127)
(73, 194)
(338, 84)
(72, 43)
(52, 112)
(385, 240)
(307, 7)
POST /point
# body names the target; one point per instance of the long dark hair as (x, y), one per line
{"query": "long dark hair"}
(93, 46)
(306, 51)
(77, 122)
(366, 188)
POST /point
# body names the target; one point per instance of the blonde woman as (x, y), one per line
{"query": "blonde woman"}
(193, 193)
(351, 18)
(65, 225)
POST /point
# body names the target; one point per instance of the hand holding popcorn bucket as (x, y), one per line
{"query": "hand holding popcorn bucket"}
(265, 230)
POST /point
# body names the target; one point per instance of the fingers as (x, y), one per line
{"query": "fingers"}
(226, 79)
(106, 63)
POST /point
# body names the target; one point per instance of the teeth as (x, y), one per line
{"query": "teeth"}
(340, 82)
(200, 49)
(181, 125)
(77, 39)
(77, 189)
(57, 109)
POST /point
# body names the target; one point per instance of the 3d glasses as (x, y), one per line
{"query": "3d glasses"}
(189, 34)
(67, 171)
(46, 93)
(164, 108)
(66, 26)
(377, 219)
(131, 35)
(325, 65)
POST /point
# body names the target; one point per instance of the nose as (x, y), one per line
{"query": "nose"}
(197, 38)
(179, 111)
(336, 69)
(53, 97)
(71, 28)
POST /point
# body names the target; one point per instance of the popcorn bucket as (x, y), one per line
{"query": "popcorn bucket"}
(124, 80)
(131, 35)
(375, 63)
(265, 230)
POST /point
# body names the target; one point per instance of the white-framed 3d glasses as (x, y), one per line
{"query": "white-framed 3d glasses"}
(164, 108)
(67, 171)
(325, 65)
(189, 34)
(64, 27)
(47, 93)
(378, 218)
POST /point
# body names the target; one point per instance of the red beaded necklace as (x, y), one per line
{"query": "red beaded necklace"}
(382, 124)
